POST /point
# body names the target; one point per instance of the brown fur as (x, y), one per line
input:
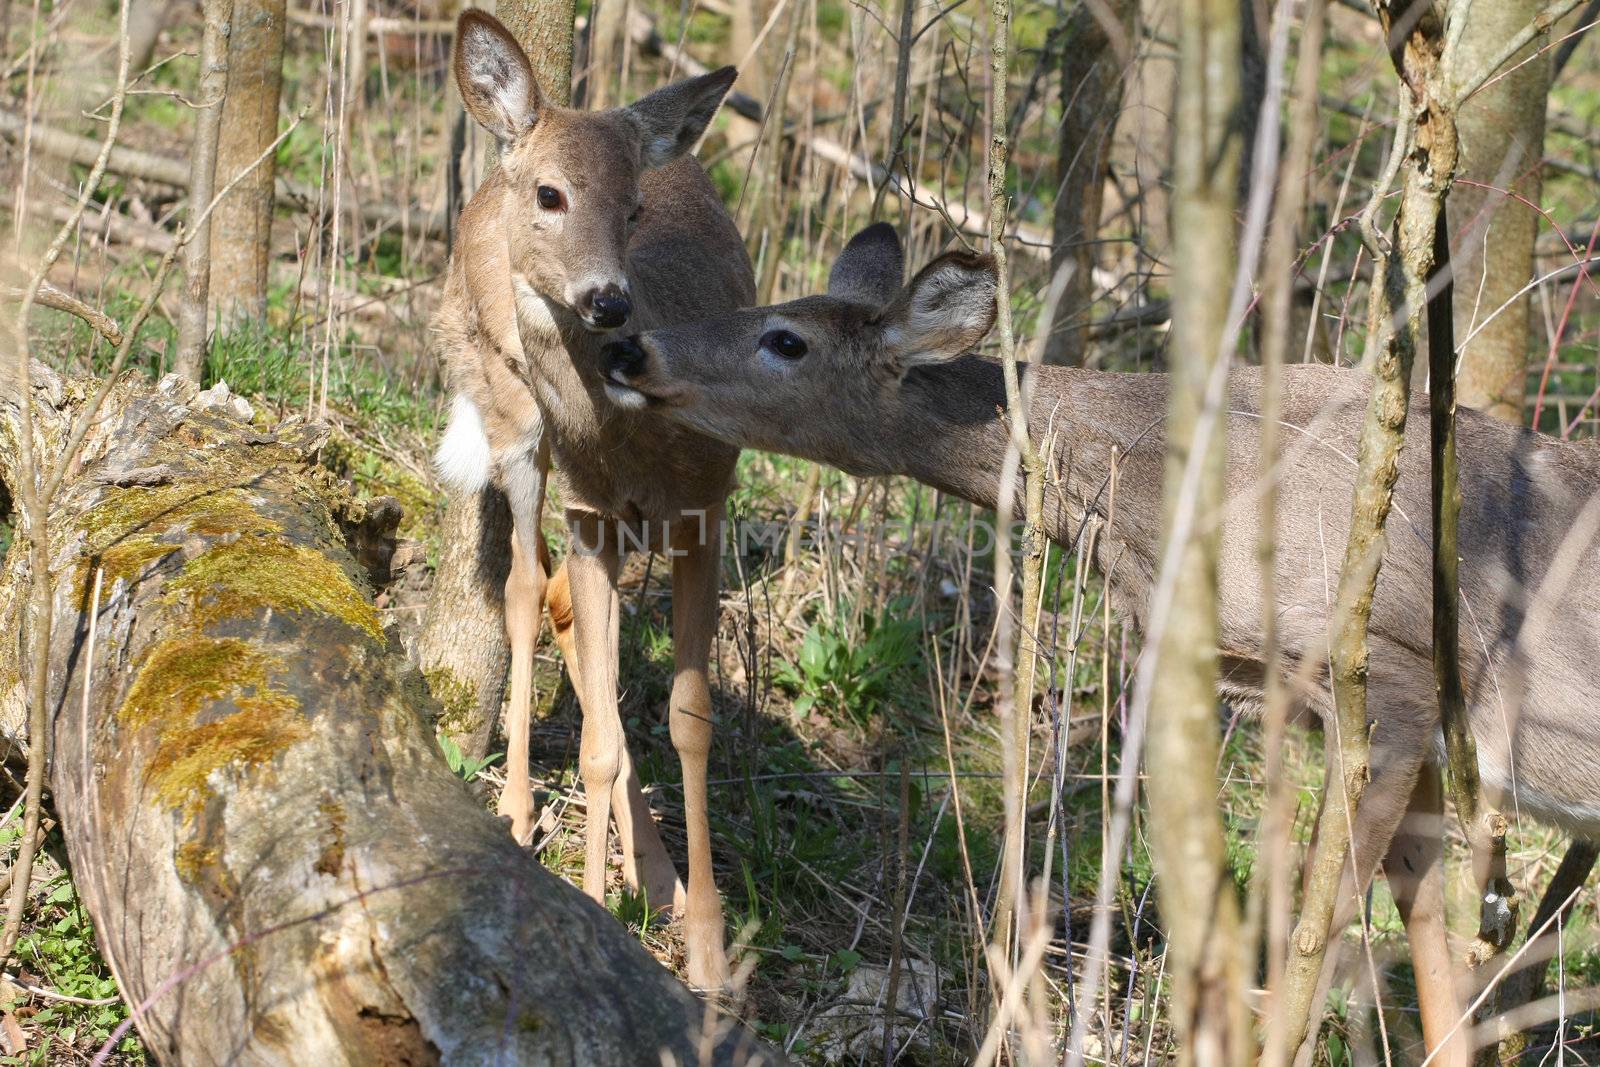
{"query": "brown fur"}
(877, 394)
(521, 341)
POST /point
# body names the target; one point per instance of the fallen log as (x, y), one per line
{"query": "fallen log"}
(279, 865)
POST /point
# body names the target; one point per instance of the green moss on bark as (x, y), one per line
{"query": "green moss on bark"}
(180, 680)
(236, 579)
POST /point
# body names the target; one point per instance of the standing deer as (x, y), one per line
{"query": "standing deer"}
(879, 380)
(590, 221)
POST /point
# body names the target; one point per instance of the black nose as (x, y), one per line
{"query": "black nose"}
(609, 307)
(625, 357)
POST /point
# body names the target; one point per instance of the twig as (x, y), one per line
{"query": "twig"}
(50, 994)
(51, 297)
(35, 507)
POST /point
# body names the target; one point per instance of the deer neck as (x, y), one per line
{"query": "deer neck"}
(952, 434)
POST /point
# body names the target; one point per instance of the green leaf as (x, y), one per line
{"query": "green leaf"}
(846, 960)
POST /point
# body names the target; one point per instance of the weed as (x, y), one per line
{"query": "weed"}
(466, 766)
(851, 674)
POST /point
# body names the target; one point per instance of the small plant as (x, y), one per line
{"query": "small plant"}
(850, 673)
(60, 949)
(462, 764)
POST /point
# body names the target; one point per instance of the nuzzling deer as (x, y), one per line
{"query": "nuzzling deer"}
(593, 220)
(876, 379)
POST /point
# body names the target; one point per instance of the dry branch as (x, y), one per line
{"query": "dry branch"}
(148, 166)
(278, 863)
(1188, 845)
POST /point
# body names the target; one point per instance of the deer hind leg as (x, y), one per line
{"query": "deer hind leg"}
(1415, 869)
(525, 593)
(1395, 762)
(592, 568)
(646, 866)
(695, 567)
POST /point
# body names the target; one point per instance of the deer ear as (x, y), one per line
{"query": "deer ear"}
(945, 311)
(671, 120)
(496, 82)
(869, 269)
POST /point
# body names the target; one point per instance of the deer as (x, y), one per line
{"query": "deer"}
(592, 220)
(876, 379)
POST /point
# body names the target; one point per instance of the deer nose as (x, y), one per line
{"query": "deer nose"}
(623, 359)
(609, 307)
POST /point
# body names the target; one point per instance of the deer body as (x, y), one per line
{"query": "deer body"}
(592, 220)
(1531, 699)
(876, 380)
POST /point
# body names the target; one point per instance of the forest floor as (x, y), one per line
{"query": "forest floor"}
(855, 776)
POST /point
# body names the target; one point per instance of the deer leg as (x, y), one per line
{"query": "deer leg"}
(592, 569)
(524, 595)
(697, 558)
(1415, 869)
(525, 592)
(1394, 769)
(645, 863)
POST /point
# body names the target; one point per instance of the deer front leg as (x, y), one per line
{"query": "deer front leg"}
(1415, 869)
(592, 568)
(695, 572)
(645, 863)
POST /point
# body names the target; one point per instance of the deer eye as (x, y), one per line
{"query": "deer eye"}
(550, 198)
(783, 343)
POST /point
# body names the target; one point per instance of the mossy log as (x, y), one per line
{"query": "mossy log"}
(280, 866)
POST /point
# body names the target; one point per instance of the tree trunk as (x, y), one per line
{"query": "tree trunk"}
(463, 649)
(1092, 70)
(544, 29)
(241, 242)
(279, 865)
(193, 312)
(1502, 144)
(1197, 895)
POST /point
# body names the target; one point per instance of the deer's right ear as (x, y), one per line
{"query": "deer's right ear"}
(945, 311)
(869, 269)
(496, 81)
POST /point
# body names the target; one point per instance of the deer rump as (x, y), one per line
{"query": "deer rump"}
(1530, 631)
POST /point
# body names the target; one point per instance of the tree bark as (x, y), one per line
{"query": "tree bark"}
(189, 356)
(544, 29)
(241, 227)
(279, 865)
(1092, 71)
(1198, 900)
(463, 648)
(1502, 143)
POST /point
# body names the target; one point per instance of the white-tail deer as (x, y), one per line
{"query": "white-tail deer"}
(592, 220)
(879, 380)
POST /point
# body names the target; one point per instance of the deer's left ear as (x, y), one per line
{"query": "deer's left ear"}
(946, 310)
(671, 120)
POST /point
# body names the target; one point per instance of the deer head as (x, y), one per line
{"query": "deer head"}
(573, 176)
(822, 377)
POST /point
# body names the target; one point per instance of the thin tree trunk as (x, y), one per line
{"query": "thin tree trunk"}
(1502, 144)
(544, 29)
(279, 865)
(1198, 901)
(1092, 72)
(463, 648)
(193, 312)
(241, 241)
(1396, 309)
